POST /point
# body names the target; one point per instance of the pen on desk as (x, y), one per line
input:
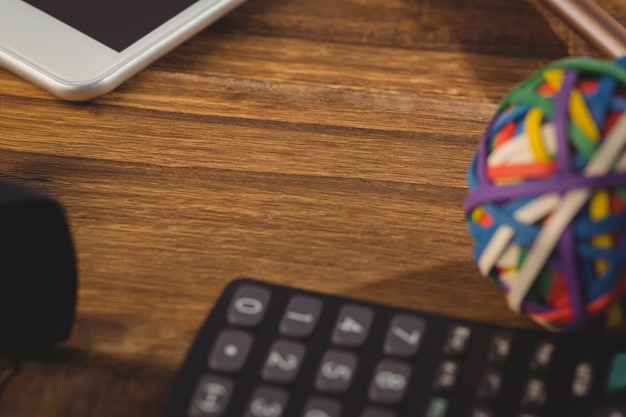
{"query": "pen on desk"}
(593, 24)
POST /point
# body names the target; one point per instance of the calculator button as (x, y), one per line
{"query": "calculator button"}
(404, 336)
(248, 306)
(352, 326)
(230, 351)
(389, 382)
(617, 374)
(583, 380)
(283, 361)
(377, 412)
(457, 340)
(267, 402)
(211, 396)
(437, 407)
(301, 316)
(500, 348)
(481, 411)
(542, 356)
(611, 411)
(336, 371)
(446, 376)
(490, 384)
(322, 407)
(535, 394)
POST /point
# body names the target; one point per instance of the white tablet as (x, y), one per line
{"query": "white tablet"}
(81, 49)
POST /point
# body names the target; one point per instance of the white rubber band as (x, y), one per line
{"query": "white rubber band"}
(530, 213)
(517, 149)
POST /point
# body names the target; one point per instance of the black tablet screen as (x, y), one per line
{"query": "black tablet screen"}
(115, 23)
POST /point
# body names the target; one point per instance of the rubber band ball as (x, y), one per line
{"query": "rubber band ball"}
(547, 196)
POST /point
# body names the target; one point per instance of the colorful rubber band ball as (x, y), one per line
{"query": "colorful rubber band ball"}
(547, 200)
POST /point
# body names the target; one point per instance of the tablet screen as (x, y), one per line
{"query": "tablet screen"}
(114, 23)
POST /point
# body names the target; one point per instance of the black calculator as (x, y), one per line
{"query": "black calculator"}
(276, 351)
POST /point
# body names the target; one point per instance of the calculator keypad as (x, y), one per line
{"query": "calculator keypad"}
(230, 350)
(500, 348)
(437, 407)
(446, 376)
(336, 371)
(583, 380)
(301, 316)
(404, 336)
(282, 352)
(352, 326)
(248, 306)
(617, 374)
(490, 384)
(481, 411)
(283, 361)
(377, 412)
(389, 382)
(322, 407)
(535, 394)
(211, 397)
(457, 340)
(267, 401)
(542, 355)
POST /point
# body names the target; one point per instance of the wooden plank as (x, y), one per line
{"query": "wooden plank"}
(316, 143)
(62, 389)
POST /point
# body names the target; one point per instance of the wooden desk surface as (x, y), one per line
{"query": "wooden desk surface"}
(317, 143)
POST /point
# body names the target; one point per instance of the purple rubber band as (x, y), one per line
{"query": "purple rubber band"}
(530, 307)
(561, 106)
(564, 180)
(481, 162)
(491, 194)
(568, 266)
(566, 244)
(566, 260)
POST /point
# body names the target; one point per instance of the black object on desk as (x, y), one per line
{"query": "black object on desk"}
(38, 278)
(274, 351)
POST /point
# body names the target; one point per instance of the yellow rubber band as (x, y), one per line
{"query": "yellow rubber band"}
(614, 316)
(599, 208)
(532, 126)
(579, 112)
(477, 214)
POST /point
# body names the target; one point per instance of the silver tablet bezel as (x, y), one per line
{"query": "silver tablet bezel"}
(73, 66)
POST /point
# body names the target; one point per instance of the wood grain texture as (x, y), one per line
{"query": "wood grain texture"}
(316, 143)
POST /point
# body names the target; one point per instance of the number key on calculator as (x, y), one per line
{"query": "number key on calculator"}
(276, 351)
